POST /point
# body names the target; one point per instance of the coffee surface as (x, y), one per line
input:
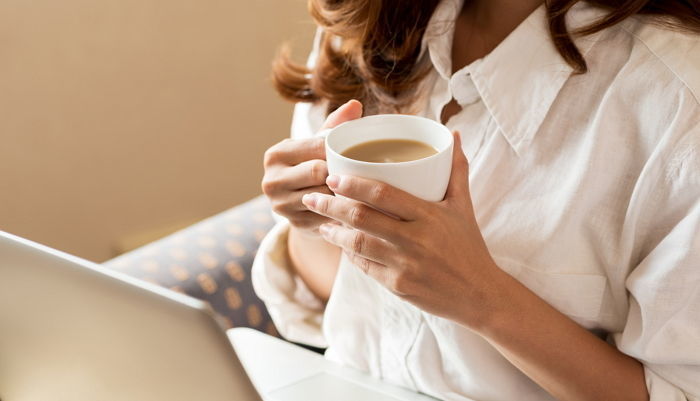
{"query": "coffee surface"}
(389, 151)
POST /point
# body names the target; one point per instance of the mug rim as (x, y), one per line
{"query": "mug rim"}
(443, 127)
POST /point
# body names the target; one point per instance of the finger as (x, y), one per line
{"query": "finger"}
(383, 274)
(307, 220)
(311, 173)
(297, 196)
(377, 194)
(458, 186)
(369, 267)
(294, 151)
(291, 202)
(356, 215)
(356, 242)
(351, 110)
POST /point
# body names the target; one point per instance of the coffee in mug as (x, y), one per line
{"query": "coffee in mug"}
(389, 151)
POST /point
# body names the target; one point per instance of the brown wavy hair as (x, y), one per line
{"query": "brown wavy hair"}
(370, 49)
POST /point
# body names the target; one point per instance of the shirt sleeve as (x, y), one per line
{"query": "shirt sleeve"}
(663, 323)
(295, 310)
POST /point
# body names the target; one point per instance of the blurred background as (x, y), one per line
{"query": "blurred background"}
(122, 121)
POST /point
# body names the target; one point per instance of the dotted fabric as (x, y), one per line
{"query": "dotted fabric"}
(211, 261)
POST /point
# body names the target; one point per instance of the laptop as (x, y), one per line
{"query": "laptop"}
(71, 330)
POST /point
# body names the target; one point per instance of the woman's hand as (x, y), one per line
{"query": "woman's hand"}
(295, 167)
(433, 255)
(430, 254)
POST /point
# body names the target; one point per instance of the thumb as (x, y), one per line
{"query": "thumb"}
(458, 186)
(351, 110)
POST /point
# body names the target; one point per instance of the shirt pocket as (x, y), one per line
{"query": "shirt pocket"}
(578, 295)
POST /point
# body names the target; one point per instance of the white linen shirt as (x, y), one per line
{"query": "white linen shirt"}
(586, 189)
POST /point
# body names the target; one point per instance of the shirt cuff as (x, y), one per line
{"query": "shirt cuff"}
(662, 390)
(295, 310)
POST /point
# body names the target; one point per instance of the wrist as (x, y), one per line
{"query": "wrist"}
(313, 260)
(500, 304)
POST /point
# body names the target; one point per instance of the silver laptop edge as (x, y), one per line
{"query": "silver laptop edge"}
(73, 330)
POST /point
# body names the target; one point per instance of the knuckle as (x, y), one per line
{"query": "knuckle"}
(358, 243)
(271, 155)
(364, 264)
(400, 284)
(403, 238)
(282, 211)
(318, 171)
(265, 186)
(433, 217)
(279, 208)
(269, 186)
(401, 260)
(319, 145)
(379, 192)
(275, 152)
(358, 215)
(322, 205)
(267, 158)
(420, 248)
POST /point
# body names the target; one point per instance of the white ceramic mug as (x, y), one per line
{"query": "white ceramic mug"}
(425, 178)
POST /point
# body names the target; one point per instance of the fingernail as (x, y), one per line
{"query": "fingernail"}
(333, 181)
(324, 229)
(309, 200)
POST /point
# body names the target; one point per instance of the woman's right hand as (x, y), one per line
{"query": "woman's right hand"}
(295, 167)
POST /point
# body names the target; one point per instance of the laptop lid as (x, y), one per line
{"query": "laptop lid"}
(71, 330)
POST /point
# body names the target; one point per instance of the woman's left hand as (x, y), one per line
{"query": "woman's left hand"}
(431, 254)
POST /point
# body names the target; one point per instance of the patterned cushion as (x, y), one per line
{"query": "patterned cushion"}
(210, 260)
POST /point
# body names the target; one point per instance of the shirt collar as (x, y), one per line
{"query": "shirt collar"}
(439, 33)
(520, 79)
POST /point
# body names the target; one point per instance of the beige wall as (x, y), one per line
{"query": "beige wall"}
(123, 116)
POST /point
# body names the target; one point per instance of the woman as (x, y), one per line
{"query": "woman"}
(564, 262)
